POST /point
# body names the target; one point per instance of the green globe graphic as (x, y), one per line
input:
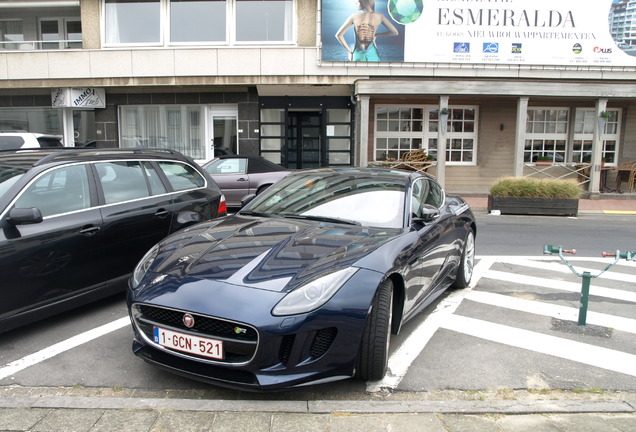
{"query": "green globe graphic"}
(406, 11)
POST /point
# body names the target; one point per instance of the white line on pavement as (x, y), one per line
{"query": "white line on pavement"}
(613, 360)
(405, 355)
(61, 347)
(559, 266)
(551, 310)
(561, 285)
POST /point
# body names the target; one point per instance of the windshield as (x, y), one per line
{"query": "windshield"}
(366, 200)
(8, 177)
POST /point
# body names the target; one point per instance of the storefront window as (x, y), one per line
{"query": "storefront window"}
(584, 124)
(400, 129)
(159, 126)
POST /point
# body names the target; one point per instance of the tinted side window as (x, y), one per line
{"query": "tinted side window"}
(182, 176)
(58, 191)
(156, 185)
(435, 195)
(122, 181)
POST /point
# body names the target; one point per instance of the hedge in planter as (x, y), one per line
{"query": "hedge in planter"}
(531, 196)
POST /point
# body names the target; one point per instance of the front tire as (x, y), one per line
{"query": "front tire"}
(467, 263)
(373, 358)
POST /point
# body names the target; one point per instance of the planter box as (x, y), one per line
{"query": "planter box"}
(534, 206)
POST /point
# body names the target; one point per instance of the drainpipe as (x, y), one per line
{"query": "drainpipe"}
(441, 143)
(597, 151)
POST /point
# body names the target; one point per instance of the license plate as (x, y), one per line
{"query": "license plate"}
(201, 346)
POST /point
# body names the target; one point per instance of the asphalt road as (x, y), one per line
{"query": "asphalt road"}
(513, 329)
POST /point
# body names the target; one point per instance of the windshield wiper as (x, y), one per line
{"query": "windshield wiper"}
(258, 214)
(321, 219)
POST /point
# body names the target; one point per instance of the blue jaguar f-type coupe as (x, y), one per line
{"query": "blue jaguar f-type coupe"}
(305, 284)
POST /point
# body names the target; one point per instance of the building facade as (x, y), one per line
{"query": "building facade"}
(274, 78)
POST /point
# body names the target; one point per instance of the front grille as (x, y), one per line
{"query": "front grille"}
(239, 340)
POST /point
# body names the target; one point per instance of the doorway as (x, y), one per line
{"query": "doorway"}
(304, 149)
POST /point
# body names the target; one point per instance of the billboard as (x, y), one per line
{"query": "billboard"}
(533, 32)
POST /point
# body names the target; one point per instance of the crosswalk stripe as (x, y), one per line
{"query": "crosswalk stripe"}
(550, 310)
(558, 266)
(605, 358)
(560, 285)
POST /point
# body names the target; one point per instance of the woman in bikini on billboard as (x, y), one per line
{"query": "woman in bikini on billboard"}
(365, 25)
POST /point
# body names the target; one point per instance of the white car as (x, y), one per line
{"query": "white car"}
(13, 140)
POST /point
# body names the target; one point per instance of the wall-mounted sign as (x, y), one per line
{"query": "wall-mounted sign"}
(532, 32)
(80, 98)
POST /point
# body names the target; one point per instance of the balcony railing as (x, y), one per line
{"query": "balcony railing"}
(40, 45)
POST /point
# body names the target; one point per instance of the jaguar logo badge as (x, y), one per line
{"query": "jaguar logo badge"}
(188, 320)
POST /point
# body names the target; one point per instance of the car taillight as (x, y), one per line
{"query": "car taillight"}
(222, 206)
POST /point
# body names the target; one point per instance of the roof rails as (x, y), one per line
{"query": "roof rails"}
(63, 152)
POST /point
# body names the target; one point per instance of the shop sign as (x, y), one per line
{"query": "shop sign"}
(78, 97)
(522, 32)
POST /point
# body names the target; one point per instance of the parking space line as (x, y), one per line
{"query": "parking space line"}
(604, 358)
(560, 285)
(405, 355)
(551, 310)
(60, 347)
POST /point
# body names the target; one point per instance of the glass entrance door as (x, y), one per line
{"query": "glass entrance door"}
(304, 148)
(223, 132)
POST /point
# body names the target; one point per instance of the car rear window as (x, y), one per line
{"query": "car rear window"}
(11, 142)
(182, 177)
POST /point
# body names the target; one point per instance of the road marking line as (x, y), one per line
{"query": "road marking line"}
(405, 355)
(560, 285)
(604, 358)
(554, 311)
(558, 266)
(60, 347)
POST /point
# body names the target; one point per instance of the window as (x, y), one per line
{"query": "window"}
(175, 127)
(400, 129)
(10, 34)
(182, 177)
(584, 124)
(264, 21)
(59, 191)
(195, 22)
(425, 191)
(228, 166)
(546, 134)
(122, 181)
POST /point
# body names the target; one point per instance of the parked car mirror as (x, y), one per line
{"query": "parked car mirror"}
(426, 213)
(25, 215)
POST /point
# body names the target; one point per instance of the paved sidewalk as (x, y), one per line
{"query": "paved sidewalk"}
(80, 409)
(479, 204)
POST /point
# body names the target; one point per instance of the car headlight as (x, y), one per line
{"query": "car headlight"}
(314, 294)
(143, 266)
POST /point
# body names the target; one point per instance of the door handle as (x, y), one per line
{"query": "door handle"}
(241, 179)
(89, 230)
(162, 213)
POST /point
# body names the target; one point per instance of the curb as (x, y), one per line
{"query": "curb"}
(325, 406)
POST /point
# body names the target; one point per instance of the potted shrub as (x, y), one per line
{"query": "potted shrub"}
(544, 160)
(533, 196)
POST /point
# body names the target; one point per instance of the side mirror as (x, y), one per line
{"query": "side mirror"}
(426, 213)
(24, 216)
(247, 199)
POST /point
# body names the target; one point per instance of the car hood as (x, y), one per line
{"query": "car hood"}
(276, 254)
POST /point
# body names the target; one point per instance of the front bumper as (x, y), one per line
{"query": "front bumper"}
(273, 353)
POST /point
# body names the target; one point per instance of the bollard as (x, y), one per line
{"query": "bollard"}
(587, 276)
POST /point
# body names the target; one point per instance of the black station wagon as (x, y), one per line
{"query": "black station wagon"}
(75, 222)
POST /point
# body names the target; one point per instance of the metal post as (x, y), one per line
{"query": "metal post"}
(585, 295)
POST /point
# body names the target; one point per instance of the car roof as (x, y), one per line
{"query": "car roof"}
(386, 173)
(263, 164)
(27, 158)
